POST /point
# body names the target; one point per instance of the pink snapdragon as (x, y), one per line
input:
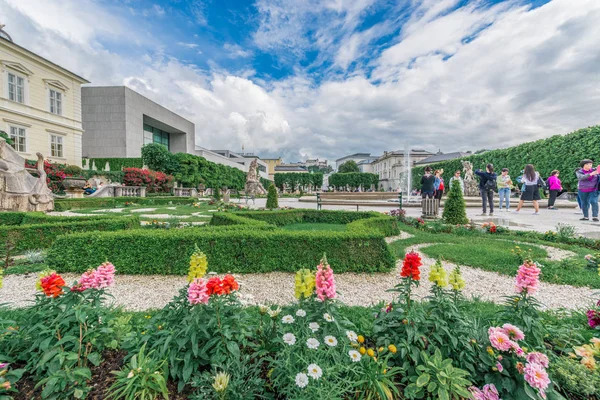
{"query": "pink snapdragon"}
(99, 278)
(513, 332)
(537, 377)
(538, 358)
(325, 281)
(489, 392)
(198, 292)
(528, 278)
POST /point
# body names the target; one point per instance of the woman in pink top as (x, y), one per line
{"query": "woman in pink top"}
(554, 187)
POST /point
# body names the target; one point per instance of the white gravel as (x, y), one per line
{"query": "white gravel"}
(401, 236)
(141, 292)
(163, 216)
(139, 210)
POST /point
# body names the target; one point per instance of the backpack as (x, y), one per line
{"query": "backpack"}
(490, 184)
(542, 184)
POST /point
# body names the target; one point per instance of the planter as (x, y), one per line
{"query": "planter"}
(74, 183)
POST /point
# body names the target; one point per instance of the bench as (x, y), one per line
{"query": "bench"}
(242, 194)
(358, 199)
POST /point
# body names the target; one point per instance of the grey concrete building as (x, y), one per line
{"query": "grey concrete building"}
(118, 121)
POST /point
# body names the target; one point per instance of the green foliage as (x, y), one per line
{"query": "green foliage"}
(348, 167)
(157, 158)
(5, 136)
(37, 236)
(455, 211)
(115, 164)
(72, 170)
(11, 218)
(353, 180)
(294, 180)
(8, 381)
(112, 202)
(561, 152)
(143, 378)
(574, 378)
(272, 198)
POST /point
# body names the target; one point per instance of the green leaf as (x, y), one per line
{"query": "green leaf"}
(423, 380)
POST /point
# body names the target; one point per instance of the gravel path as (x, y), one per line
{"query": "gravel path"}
(138, 292)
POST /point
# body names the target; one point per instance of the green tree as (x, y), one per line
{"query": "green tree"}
(272, 201)
(158, 158)
(455, 211)
(349, 166)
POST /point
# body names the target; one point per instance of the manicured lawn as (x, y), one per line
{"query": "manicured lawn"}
(315, 227)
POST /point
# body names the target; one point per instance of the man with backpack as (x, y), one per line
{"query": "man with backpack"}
(487, 186)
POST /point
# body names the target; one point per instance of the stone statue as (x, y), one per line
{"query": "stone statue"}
(253, 185)
(19, 190)
(471, 186)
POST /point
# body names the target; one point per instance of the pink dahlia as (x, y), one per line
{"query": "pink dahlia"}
(325, 281)
(528, 278)
(198, 292)
(513, 332)
(536, 376)
(538, 358)
(499, 339)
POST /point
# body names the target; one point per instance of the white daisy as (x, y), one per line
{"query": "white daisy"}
(312, 343)
(313, 326)
(328, 317)
(301, 380)
(330, 341)
(289, 338)
(354, 355)
(288, 319)
(352, 336)
(301, 313)
(314, 371)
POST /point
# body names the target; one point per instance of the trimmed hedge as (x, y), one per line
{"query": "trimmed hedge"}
(39, 236)
(243, 250)
(387, 226)
(287, 217)
(111, 202)
(11, 218)
(230, 219)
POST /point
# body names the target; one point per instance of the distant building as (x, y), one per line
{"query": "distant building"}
(321, 164)
(287, 168)
(245, 160)
(40, 104)
(271, 164)
(365, 166)
(391, 168)
(356, 157)
(439, 157)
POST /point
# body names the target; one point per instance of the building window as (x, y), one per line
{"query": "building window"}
(55, 102)
(16, 88)
(17, 134)
(155, 135)
(56, 146)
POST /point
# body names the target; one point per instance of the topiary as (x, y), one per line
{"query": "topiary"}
(455, 212)
(217, 193)
(272, 201)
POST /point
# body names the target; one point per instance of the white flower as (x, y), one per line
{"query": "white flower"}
(314, 371)
(352, 336)
(289, 338)
(354, 355)
(330, 341)
(263, 309)
(301, 313)
(328, 317)
(313, 326)
(312, 343)
(301, 380)
(288, 319)
(275, 312)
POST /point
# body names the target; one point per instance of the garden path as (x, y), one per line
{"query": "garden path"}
(139, 292)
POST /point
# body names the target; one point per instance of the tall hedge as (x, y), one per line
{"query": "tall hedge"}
(296, 180)
(353, 180)
(561, 152)
(115, 164)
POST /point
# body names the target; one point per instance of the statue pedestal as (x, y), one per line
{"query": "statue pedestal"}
(74, 193)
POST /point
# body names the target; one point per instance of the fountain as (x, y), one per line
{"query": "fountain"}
(407, 184)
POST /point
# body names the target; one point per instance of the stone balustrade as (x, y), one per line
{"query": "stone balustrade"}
(130, 191)
(185, 192)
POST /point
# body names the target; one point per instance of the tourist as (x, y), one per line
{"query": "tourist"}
(504, 186)
(531, 181)
(460, 180)
(587, 186)
(554, 187)
(427, 184)
(487, 185)
(438, 184)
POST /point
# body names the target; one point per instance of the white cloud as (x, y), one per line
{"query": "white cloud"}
(236, 51)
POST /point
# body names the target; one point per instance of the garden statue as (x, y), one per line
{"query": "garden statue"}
(253, 185)
(19, 190)
(471, 186)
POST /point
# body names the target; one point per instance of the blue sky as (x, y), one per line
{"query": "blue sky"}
(324, 78)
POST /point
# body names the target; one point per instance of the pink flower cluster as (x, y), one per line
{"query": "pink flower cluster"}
(506, 337)
(489, 392)
(324, 281)
(99, 278)
(537, 377)
(528, 278)
(198, 292)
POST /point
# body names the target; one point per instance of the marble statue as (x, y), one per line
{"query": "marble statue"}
(471, 186)
(19, 190)
(253, 185)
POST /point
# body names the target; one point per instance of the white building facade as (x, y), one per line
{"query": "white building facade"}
(391, 168)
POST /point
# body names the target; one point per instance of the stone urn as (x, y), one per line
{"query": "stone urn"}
(74, 187)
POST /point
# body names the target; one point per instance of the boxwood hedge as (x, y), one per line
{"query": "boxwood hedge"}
(109, 202)
(236, 242)
(39, 236)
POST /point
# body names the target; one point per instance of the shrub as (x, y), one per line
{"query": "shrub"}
(11, 218)
(455, 207)
(72, 170)
(111, 202)
(154, 181)
(272, 198)
(36, 236)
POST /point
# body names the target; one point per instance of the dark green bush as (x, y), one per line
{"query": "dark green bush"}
(111, 202)
(383, 225)
(11, 218)
(287, 217)
(39, 236)
(272, 198)
(455, 209)
(238, 249)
